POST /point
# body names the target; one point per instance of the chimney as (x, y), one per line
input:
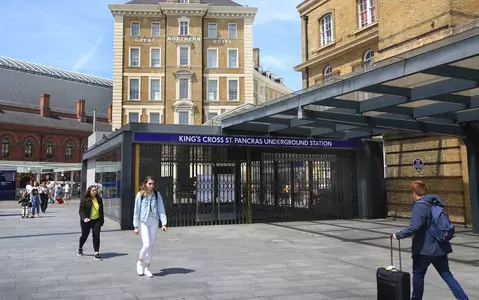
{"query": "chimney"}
(256, 58)
(81, 110)
(109, 113)
(45, 105)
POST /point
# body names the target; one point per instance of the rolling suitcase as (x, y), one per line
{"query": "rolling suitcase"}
(393, 284)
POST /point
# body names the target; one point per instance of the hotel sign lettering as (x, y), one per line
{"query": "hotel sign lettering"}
(144, 40)
(222, 41)
(184, 39)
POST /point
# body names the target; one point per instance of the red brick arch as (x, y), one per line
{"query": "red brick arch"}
(34, 139)
(9, 136)
(51, 138)
(71, 141)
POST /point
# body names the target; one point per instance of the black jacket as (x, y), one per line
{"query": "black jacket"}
(85, 208)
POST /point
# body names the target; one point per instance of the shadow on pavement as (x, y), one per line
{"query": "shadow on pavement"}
(364, 241)
(112, 254)
(172, 271)
(50, 234)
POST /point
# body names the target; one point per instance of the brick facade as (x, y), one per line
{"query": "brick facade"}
(391, 28)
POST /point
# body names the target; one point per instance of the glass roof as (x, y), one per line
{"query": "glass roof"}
(10, 63)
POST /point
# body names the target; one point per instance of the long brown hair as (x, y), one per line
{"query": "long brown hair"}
(87, 195)
(144, 189)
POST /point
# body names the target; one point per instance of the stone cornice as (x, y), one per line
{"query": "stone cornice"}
(192, 9)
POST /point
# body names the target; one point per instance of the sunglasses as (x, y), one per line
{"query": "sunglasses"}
(149, 183)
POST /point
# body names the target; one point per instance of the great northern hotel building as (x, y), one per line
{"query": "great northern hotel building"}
(182, 61)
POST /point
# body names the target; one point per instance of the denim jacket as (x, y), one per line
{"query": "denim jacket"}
(142, 209)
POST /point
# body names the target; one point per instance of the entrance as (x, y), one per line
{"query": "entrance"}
(205, 185)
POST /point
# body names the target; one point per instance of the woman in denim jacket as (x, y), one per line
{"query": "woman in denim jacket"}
(149, 208)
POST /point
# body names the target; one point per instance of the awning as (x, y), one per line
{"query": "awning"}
(433, 90)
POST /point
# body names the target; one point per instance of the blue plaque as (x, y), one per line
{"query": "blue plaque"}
(418, 164)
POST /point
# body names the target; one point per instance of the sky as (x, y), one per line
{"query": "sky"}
(78, 35)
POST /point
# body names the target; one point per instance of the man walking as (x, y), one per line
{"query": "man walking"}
(426, 249)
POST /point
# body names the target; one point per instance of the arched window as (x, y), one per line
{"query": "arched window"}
(327, 73)
(49, 150)
(68, 152)
(326, 28)
(368, 59)
(28, 149)
(5, 148)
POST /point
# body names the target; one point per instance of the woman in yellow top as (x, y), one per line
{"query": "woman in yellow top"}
(91, 218)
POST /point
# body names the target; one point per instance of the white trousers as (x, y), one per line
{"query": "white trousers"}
(148, 232)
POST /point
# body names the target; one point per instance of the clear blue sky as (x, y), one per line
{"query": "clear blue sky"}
(78, 35)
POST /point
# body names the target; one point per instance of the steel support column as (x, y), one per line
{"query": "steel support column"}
(472, 145)
(128, 187)
(372, 199)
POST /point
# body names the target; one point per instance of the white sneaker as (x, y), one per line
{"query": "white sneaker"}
(139, 268)
(148, 273)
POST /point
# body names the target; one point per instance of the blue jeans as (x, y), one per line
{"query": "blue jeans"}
(441, 264)
(35, 205)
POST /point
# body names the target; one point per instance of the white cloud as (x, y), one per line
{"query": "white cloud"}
(276, 62)
(273, 10)
(83, 60)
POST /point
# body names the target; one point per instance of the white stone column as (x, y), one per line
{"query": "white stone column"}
(117, 103)
(248, 61)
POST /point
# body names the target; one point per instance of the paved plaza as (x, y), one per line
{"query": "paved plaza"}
(299, 260)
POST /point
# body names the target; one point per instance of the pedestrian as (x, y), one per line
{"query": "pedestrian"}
(149, 208)
(426, 249)
(35, 199)
(91, 218)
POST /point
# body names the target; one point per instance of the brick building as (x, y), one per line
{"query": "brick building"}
(182, 62)
(46, 116)
(341, 37)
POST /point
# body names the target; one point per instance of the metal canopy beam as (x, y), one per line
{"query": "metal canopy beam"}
(383, 122)
(376, 81)
(388, 90)
(454, 71)
(448, 86)
(437, 109)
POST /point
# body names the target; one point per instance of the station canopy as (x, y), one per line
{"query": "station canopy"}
(433, 90)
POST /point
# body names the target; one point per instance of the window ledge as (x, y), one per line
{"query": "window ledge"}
(321, 48)
(362, 29)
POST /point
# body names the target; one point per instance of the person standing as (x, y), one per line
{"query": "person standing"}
(426, 249)
(35, 198)
(91, 218)
(149, 208)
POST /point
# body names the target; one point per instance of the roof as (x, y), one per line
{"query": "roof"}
(35, 119)
(27, 67)
(432, 91)
(22, 88)
(210, 2)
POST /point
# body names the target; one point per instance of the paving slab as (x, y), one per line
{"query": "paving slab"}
(334, 259)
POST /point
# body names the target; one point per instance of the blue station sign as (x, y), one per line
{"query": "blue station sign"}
(198, 139)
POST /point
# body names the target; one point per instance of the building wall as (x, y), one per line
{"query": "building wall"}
(400, 26)
(18, 137)
(445, 171)
(170, 71)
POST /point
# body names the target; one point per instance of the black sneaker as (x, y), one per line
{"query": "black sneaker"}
(80, 252)
(97, 257)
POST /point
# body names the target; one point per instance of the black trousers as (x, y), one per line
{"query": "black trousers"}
(95, 227)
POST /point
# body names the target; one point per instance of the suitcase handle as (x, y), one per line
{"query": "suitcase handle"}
(399, 248)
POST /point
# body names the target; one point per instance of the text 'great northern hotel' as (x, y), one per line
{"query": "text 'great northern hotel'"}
(182, 61)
